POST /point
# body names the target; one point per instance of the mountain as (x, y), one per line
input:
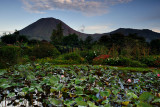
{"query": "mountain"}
(42, 30)
(146, 33)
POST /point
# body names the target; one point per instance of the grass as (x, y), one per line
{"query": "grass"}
(131, 69)
(135, 69)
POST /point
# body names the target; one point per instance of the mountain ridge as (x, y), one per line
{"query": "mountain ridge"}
(42, 30)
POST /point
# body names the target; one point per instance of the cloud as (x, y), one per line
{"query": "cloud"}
(81, 28)
(156, 30)
(88, 7)
(97, 29)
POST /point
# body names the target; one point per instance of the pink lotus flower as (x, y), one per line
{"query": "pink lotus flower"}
(129, 80)
(62, 76)
(158, 75)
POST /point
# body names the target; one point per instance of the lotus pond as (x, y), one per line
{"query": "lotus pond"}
(46, 85)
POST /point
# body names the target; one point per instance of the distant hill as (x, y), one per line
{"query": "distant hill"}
(42, 30)
(146, 33)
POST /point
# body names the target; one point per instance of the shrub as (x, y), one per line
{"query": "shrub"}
(112, 61)
(64, 62)
(129, 62)
(9, 55)
(89, 55)
(100, 59)
(44, 50)
(72, 57)
(124, 62)
(2, 44)
(56, 61)
(23, 60)
(151, 61)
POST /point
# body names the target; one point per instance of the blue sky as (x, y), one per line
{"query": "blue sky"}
(88, 16)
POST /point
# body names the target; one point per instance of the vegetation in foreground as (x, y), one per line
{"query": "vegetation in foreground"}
(50, 85)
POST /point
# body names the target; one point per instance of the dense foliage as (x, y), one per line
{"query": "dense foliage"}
(13, 38)
(49, 85)
(9, 55)
(130, 50)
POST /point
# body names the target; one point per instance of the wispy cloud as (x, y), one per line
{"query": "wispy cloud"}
(88, 7)
(97, 29)
(156, 30)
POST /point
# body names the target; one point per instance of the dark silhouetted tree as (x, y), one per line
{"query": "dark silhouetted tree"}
(88, 42)
(155, 46)
(71, 40)
(57, 35)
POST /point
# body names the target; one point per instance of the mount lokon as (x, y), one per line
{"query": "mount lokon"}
(42, 30)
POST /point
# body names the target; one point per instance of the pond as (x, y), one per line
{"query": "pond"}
(45, 85)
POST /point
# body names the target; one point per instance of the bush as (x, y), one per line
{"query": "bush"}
(89, 55)
(56, 61)
(112, 61)
(130, 62)
(100, 59)
(151, 61)
(23, 60)
(9, 55)
(2, 44)
(64, 62)
(124, 62)
(44, 50)
(72, 57)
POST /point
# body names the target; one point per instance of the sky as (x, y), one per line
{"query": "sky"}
(87, 16)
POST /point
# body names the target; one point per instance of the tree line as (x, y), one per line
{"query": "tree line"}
(117, 40)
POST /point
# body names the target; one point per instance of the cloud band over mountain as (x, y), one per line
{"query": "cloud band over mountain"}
(88, 7)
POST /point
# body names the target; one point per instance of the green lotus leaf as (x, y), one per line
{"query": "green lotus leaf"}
(79, 99)
(107, 105)
(55, 102)
(31, 77)
(157, 100)
(146, 96)
(77, 81)
(94, 97)
(91, 79)
(91, 104)
(4, 86)
(96, 90)
(143, 104)
(104, 93)
(60, 86)
(54, 80)
(132, 95)
(81, 103)
(39, 88)
(105, 102)
(25, 89)
(69, 103)
(2, 72)
(53, 89)
(31, 89)
(11, 95)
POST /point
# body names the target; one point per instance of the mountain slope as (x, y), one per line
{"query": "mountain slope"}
(146, 33)
(42, 29)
